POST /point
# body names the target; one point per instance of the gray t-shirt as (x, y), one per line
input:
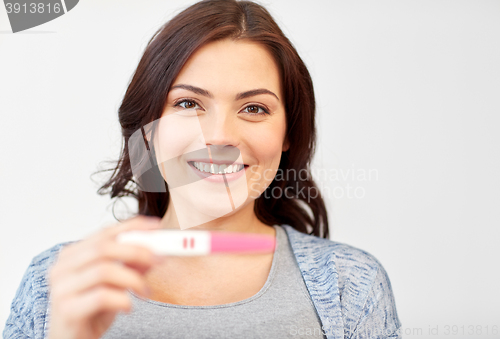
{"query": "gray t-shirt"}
(281, 309)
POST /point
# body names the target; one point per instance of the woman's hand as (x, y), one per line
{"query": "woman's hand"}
(89, 281)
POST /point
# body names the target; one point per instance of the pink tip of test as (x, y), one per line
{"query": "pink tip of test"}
(228, 242)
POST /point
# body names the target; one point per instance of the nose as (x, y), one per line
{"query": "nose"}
(219, 129)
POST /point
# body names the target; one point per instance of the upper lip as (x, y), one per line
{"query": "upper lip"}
(217, 161)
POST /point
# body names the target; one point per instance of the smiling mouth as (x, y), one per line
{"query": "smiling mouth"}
(217, 168)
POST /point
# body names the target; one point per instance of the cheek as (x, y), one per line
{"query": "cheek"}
(177, 135)
(268, 145)
(266, 150)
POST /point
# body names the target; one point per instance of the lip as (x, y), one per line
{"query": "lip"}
(216, 161)
(217, 178)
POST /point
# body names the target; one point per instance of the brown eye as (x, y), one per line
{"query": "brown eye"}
(255, 110)
(187, 104)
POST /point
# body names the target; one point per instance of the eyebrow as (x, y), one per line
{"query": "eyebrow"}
(239, 96)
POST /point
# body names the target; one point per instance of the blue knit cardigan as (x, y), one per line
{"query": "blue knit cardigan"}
(349, 288)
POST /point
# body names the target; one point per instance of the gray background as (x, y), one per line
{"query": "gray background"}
(407, 89)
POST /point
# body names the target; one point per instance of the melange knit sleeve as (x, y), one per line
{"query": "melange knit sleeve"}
(20, 321)
(379, 318)
(29, 307)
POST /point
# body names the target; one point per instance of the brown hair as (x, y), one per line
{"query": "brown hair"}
(167, 52)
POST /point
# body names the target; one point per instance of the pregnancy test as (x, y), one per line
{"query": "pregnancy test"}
(191, 243)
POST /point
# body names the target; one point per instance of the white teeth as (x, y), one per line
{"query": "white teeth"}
(217, 169)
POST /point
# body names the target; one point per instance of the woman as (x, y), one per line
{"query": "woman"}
(220, 80)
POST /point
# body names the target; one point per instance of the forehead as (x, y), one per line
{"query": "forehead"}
(229, 66)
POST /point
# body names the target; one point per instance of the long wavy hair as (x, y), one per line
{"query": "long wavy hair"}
(167, 52)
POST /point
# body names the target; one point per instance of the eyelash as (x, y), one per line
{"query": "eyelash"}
(178, 104)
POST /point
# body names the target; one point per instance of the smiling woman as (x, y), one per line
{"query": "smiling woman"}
(232, 57)
(232, 87)
(219, 100)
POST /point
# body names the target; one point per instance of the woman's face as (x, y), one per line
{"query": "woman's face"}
(225, 108)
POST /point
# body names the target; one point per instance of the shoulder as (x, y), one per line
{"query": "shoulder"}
(46, 257)
(348, 259)
(29, 306)
(36, 273)
(41, 263)
(352, 277)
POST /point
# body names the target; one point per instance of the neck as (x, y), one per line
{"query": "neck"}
(241, 220)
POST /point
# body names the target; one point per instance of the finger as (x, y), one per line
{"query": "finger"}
(74, 261)
(99, 299)
(102, 321)
(107, 273)
(141, 269)
(139, 222)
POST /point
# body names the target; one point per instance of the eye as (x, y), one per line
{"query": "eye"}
(256, 110)
(187, 104)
